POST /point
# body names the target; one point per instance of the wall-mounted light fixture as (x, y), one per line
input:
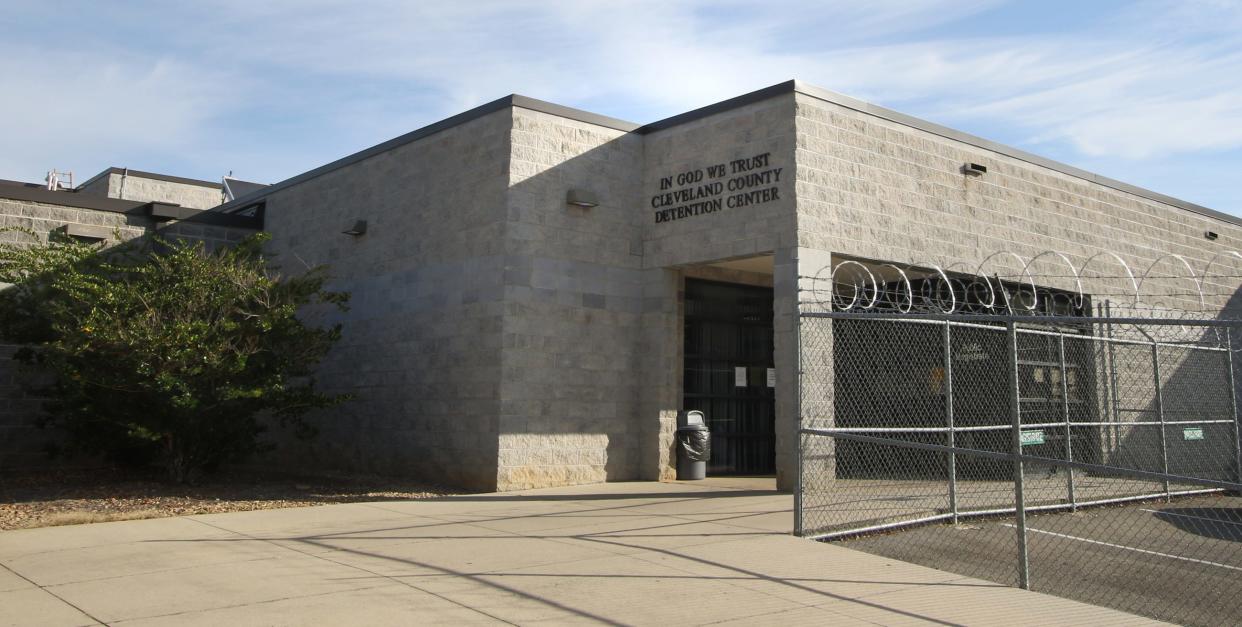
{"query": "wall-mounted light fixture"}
(1211, 235)
(581, 198)
(87, 233)
(359, 228)
(974, 169)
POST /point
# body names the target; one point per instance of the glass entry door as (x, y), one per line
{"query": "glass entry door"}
(728, 373)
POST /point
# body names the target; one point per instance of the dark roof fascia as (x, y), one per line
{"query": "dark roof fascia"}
(230, 220)
(71, 199)
(165, 212)
(780, 89)
(512, 100)
(22, 184)
(131, 207)
(151, 175)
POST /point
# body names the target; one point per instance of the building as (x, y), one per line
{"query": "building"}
(537, 290)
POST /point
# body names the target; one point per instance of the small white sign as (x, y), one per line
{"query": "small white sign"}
(739, 377)
(771, 377)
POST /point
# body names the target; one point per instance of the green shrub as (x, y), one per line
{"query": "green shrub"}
(163, 351)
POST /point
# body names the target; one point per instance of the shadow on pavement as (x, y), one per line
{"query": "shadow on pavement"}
(1218, 523)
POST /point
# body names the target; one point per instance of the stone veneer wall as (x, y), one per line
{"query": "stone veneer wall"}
(573, 305)
(22, 442)
(423, 337)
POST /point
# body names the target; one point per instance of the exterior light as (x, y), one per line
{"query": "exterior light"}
(359, 228)
(581, 198)
(974, 169)
(1211, 235)
(86, 232)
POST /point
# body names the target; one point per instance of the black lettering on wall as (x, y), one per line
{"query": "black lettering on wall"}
(744, 182)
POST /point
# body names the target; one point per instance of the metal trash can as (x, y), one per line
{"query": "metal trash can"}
(694, 446)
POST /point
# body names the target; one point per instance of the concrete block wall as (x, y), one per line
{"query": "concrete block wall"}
(764, 127)
(877, 189)
(137, 187)
(423, 336)
(872, 188)
(573, 306)
(43, 218)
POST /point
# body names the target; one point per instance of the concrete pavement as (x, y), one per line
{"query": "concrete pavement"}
(620, 553)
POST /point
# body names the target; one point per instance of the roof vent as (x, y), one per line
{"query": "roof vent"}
(974, 169)
(59, 181)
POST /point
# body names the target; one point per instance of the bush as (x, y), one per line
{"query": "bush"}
(164, 352)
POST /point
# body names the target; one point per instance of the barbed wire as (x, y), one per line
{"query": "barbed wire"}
(1051, 283)
(1170, 285)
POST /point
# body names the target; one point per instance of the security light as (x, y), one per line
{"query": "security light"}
(359, 228)
(582, 198)
(974, 169)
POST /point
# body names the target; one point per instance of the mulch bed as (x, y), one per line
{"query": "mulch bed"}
(77, 496)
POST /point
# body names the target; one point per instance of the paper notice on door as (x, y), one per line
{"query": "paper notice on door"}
(771, 377)
(739, 377)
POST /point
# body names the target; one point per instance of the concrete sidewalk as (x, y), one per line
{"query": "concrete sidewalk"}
(619, 553)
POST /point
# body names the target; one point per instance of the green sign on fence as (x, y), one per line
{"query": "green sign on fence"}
(1034, 436)
(1192, 433)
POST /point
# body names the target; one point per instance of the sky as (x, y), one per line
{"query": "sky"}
(1147, 92)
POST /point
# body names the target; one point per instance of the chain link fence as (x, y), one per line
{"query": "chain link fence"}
(1092, 458)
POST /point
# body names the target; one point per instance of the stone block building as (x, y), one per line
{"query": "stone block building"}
(538, 291)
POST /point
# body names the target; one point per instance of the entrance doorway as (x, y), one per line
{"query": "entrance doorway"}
(727, 370)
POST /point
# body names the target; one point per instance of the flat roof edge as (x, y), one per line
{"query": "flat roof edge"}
(759, 95)
(571, 113)
(70, 199)
(153, 176)
(510, 101)
(1009, 151)
(114, 205)
(787, 87)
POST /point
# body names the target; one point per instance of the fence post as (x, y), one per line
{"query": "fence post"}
(1069, 439)
(1019, 499)
(947, 387)
(798, 529)
(1115, 402)
(1233, 406)
(1164, 448)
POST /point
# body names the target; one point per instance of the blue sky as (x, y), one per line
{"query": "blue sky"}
(1148, 92)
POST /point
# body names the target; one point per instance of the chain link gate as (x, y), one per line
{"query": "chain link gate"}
(1088, 457)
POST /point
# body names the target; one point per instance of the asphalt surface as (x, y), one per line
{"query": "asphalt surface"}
(1179, 562)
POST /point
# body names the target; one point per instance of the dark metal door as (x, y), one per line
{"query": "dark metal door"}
(728, 365)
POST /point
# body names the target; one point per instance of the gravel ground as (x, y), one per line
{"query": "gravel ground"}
(75, 497)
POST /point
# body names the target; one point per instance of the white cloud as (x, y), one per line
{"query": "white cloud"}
(1161, 79)
(69, 110)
